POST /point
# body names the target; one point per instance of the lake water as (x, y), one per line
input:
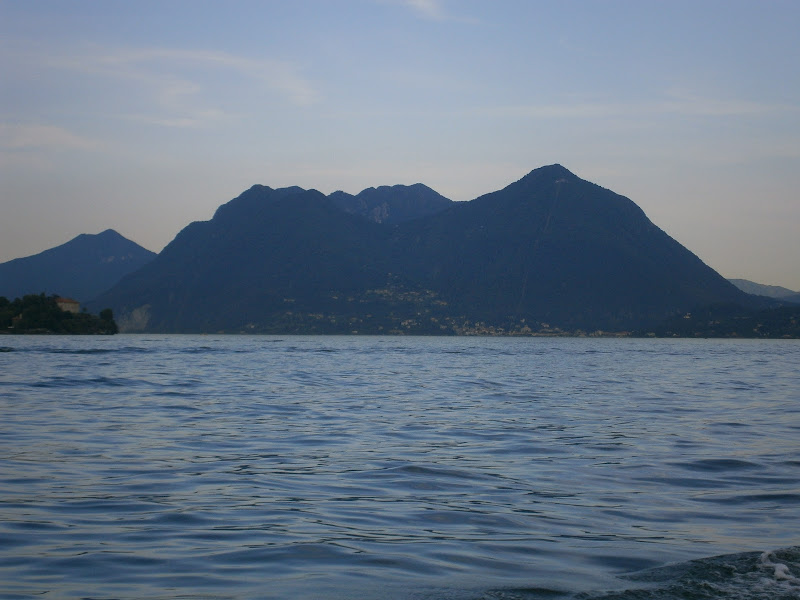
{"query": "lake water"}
(399, 468)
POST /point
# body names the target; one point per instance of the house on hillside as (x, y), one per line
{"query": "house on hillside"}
(68, 305)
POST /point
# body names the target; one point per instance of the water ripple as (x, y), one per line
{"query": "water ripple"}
(260, 467)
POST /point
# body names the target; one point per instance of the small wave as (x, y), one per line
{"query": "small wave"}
(81, 350)
(123, 350)
(6, 349)
(66, 382)
(419, 470)
(772, 497)
(717, 464)
(181, 407)
(199, 350)
(312, 350)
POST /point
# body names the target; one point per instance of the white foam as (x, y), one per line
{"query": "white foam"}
(781, 572)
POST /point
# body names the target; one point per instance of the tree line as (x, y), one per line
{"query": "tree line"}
(39, 313)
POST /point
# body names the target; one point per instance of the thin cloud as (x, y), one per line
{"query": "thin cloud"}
(429, 9)
(433, 10)
(555, 111)
(42, 137)
(281, 76)
(187, 120)
(687, 106)
(177, 88)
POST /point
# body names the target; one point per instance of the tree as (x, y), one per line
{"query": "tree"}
(41, 314)
(107, 317)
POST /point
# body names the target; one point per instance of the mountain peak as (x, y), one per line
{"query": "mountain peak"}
(109, 240)
(392, 204)
(292, 189)
(80, 268)
(110, 234)
(556, 172)
(254, 197)
(107, 234)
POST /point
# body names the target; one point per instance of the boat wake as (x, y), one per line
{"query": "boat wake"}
(771, 575)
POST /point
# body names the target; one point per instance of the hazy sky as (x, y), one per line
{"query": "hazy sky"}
(144, 116)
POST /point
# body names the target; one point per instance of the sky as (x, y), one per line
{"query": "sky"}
(145, 116)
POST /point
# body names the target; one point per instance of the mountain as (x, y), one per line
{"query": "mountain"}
(548, 253)
(552, 248)
(265, 256)
(392, 204)
(81, 268)
(770, 291)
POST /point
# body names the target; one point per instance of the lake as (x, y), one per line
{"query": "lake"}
(171, 466)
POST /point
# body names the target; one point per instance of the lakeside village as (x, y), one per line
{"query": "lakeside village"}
(42, 314)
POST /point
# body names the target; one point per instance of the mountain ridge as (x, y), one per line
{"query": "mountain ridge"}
(770, 291)
(549, 251)
(392, 204)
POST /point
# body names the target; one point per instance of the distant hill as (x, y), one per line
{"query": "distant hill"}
(770, 291)
(393, 205)
(548, 253)
(81, 268)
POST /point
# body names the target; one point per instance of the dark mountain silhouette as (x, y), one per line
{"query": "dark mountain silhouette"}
(263, 258)
(81, 268)
(554, 248)
(550, 252)
(392, 205)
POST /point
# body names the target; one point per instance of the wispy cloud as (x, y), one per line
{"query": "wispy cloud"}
(42, 137)
(684, 105)
(696, 105)
(186, 120)
(433, 10)
(281, 76)
(187, 88)
(429, 9)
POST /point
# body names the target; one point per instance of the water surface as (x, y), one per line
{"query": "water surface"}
(380, 467)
